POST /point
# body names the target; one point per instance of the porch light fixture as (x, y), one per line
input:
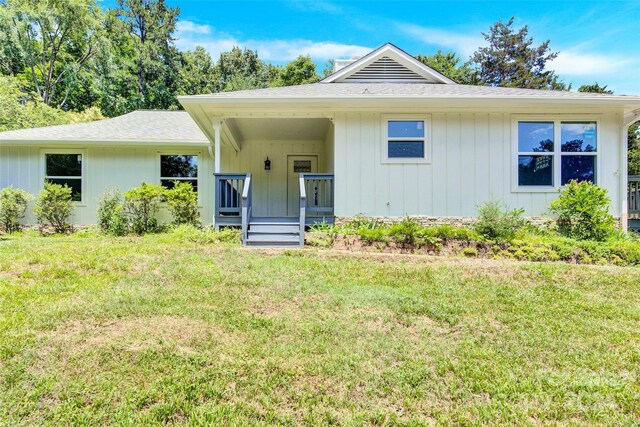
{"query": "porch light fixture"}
(267, 164)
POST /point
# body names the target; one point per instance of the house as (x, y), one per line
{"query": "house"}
(383, 136)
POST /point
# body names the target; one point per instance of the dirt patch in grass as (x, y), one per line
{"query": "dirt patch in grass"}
(178, 333)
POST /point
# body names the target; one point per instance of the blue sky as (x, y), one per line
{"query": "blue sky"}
(597, 40)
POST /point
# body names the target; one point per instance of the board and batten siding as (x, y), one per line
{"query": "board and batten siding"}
(472, 160)
(270, 187)
(105, 168)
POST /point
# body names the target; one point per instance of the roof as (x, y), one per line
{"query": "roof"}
(388, 63)
(404, 90)
(142, 126)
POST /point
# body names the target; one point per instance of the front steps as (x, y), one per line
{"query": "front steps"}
(273, 232)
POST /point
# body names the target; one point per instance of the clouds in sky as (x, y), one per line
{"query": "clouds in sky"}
(190, 34)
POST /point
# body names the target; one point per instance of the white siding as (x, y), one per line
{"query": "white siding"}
(270, 187)
(105, 168)
(472, 161)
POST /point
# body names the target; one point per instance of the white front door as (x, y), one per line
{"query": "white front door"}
(295, 166)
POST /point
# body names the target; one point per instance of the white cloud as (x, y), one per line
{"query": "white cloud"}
(463, 44)
(273, 50)
(574, 63)
(190, 27)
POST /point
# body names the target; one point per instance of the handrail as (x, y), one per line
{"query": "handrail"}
(246, 207)
(303, 207)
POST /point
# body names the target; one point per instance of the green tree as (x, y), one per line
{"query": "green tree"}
(241, 69)
(450, 65)
(511, 60)
(595, 88)
(196, 73)
(143, 32)
(54, 41)
(328, 68)
(301, 70)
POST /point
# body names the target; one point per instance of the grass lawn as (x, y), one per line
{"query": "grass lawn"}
(128, 331)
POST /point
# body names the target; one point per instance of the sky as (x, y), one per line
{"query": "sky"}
(597, 41)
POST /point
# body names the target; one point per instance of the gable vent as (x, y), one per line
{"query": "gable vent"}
(386, 69)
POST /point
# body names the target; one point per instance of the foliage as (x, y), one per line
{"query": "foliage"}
(54, 207)
(13, 206)
(496, 222)
(634, 149)
(111, 219)
(54, 41)
(300, 71)
(182, 201)
(241, 69)
(449, 64)
(511, 60)
(196, 73)
(405, 231)
(141, 205)
(583, 211)
(595, 88)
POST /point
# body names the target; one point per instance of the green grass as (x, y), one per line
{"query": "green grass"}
(166, 330)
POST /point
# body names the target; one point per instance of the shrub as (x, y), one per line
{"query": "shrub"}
(182, 201)
(405, 231)
(371, 235)
(111, 218)
(497, 223)
(13, 205)
(141, 206)
(54, 207)
(583, 211)
(470, 252)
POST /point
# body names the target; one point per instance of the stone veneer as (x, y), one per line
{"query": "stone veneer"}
(459, 221)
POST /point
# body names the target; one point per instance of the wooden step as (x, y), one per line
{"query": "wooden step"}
(273, 239)
(274, 228)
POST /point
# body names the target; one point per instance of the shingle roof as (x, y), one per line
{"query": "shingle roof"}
(138, 126)
(418, 90)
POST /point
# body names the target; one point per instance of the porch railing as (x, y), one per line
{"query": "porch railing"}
(246, 207)
(229, 189)
(633, 192)
(320, 195)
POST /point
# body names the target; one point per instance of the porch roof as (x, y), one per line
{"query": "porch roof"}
(138, 127)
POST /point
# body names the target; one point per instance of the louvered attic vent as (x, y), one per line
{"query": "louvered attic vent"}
(386, 69)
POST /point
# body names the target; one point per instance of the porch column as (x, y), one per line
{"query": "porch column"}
(217, 126)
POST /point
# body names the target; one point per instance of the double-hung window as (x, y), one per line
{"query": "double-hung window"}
(178, 168)
(405, 139)
(553, 152)
(65, 168)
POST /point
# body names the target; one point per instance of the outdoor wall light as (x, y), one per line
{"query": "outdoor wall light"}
(267, 164)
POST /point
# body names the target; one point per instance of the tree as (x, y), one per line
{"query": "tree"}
(301, 70)
(148, 52)
(594, 88)
(511, 60)
(241, 69)
(53, 39)
(328, 68)
(449, 64)
(196, 73)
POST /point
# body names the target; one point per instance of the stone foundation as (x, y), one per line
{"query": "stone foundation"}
(425, 221)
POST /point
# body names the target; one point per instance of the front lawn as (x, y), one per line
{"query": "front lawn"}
(160, 329)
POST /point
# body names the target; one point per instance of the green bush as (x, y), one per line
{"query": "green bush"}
(405, 231)
(182, 201)
(111, 218)
(141, 205)
(13, 206)
(54, 207)
(372, 235)
(583, 211)
(496, 222)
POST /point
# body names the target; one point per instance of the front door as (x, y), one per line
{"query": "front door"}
(295, 166)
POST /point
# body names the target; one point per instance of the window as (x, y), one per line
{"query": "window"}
(65, 169)
(405, 139)
(553, 152)
(178, 168)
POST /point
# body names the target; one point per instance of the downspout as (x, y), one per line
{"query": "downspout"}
(628, 120)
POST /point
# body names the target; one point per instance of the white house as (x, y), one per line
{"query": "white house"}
(384, 136)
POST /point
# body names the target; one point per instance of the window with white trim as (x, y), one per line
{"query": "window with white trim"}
(65, 169)
(406, 139)
(553, 152)
(178, 168)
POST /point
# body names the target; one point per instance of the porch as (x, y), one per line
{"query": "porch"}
(274, 177)
(234, 207)
(633, 200)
